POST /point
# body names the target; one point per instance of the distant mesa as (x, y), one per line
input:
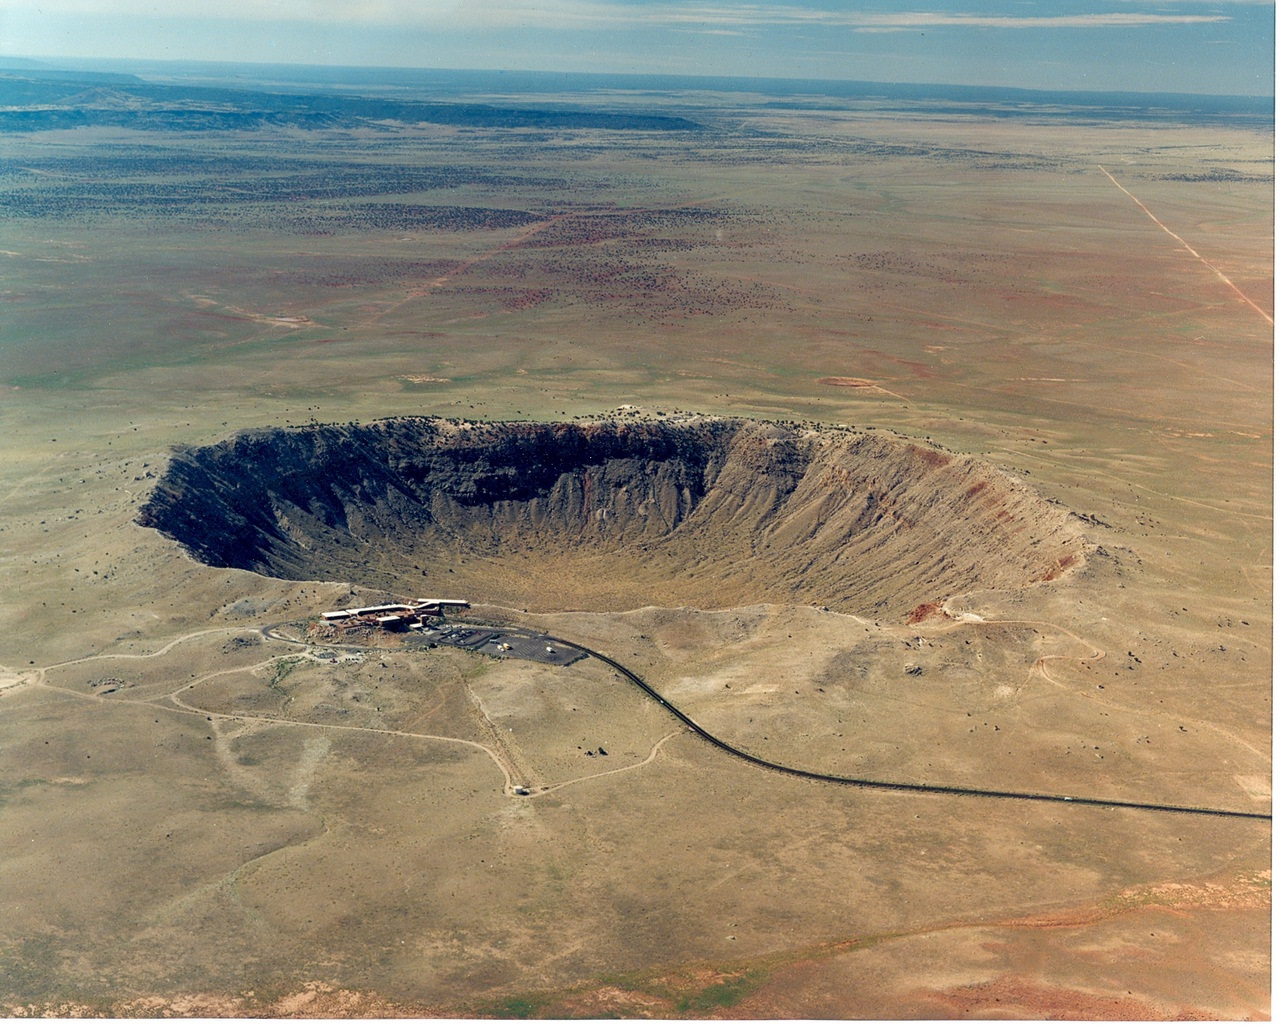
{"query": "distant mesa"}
(614, 514)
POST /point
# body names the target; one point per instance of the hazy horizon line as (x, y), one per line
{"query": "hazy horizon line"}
(69, 62)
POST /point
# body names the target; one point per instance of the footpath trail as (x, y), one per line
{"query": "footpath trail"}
(653, 753)
(176, 703)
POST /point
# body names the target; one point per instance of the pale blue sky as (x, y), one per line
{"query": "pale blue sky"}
(1223, 46)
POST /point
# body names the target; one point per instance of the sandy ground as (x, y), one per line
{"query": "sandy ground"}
(199, 821)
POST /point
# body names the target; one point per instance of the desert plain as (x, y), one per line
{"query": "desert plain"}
(204, 819)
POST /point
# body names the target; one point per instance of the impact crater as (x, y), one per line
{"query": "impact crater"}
(613, 514)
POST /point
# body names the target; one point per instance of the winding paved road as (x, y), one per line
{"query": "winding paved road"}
(918, 788)
(272, 632)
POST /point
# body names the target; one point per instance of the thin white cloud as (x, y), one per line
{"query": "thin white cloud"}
(595, 14)
(602, 15)
(906, 22)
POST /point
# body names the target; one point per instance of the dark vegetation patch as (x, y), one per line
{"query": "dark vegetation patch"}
(269, 190)
(62, 103)
(1217, 174)
(627, 260)
(409, 216)
(347, 273)
(593, 227)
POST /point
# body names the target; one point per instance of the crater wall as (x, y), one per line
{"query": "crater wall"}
(705, 511)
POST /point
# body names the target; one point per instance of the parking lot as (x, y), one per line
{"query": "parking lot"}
(504, 642)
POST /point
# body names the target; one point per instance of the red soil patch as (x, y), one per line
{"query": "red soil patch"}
(527, 299)
(1248, 892)
(918, 369)
(1060, 565)
(1011, 997)
(925, 611)
(932, 457)
(613, 1002)
(847, 382)
(313, 1000)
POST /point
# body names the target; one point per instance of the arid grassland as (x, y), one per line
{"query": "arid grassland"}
(1031, 353)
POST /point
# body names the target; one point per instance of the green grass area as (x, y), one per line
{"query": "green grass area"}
(516, 1007)
(283, 668)
(723, 994)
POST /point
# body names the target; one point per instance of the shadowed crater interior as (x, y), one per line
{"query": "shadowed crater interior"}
(606, 514)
